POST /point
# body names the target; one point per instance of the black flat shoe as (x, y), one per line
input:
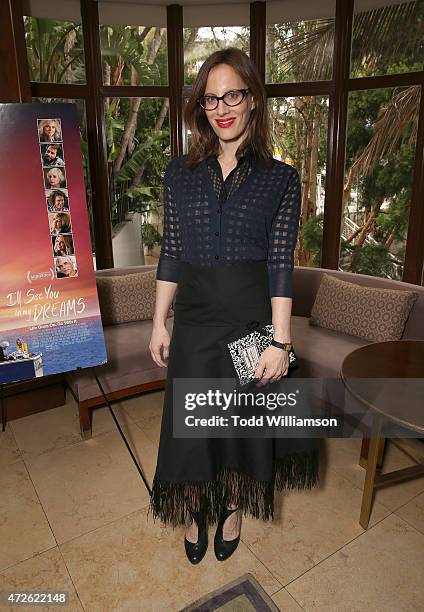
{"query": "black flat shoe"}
(196, 551)
(224, 548)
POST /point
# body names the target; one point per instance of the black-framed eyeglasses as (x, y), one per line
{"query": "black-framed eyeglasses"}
(234, 97)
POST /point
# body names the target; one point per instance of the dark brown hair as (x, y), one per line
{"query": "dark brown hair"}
(204, 141)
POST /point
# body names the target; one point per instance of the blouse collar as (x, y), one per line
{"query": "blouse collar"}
(247, 156)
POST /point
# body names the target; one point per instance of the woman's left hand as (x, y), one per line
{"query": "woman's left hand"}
(273, 364)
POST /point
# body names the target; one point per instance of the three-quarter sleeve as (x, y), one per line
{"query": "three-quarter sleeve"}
(169, 264)
(283, 239)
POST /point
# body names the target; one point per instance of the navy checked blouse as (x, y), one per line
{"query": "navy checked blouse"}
(252, 215)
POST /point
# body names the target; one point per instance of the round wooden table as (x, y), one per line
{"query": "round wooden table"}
(397, 360)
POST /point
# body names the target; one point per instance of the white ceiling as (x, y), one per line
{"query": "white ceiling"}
(360, 4)
(196, 13)
(164, 2)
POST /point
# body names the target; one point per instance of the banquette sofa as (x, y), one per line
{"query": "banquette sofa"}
(130, 369)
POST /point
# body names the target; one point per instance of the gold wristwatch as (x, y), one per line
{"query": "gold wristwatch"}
(286, 346)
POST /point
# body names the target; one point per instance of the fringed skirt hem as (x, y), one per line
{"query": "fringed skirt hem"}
(171, 501)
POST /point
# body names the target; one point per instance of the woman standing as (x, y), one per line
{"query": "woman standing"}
(231, 214)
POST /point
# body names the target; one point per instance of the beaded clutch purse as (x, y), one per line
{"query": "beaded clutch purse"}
(245, 350)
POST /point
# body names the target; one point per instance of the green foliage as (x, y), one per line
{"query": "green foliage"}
(372, 259)
(395, 219)
(389, 182)
(300, 51)
(142, 199)
(208, 40)
(386, 40)
(289, 114)
(126, 47)
(139, 157)
(311, 233)
(55, 50)
(150, 235)
(363, 110)
(136, 185)
(114, 127)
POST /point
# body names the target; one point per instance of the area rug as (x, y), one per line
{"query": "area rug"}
(242, 595)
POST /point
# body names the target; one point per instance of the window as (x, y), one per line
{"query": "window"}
(381, 138)
(388, 40)
(299, 51)
(138, 144)
(199, 43)
(299, 133)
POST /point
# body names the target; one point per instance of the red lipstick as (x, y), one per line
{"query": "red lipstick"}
(224, 123)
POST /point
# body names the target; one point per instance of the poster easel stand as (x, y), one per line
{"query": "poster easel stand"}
(120, 430)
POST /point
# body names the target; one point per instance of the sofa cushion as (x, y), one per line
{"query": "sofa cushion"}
(372, 313)
(127, 297)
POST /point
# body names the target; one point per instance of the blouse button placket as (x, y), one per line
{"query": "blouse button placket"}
(218, 233)
(219, 212)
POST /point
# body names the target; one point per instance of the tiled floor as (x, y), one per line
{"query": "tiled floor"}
(73, 517)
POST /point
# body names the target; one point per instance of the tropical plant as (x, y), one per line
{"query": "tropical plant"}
(55, 50)
(199, 43)
(370, 259)
(150, 236)
(312, 238)
(382, 123)
(381, 126)
(303, 51)
(137, 134)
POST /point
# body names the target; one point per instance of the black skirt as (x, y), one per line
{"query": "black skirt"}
(213, 469)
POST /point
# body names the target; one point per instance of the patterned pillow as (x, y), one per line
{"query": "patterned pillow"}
(372, 313)
(130, 297)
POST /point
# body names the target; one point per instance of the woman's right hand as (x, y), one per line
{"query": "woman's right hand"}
(160, 339)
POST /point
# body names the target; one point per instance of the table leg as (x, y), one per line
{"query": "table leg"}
(364, 452)
(381, 449)
(371, 467)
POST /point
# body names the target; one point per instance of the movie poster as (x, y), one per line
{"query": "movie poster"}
(49, 311)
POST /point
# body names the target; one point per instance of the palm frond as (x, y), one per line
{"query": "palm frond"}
(114, 127)
(305, 49)
(122, 42)
(380, 34)
(140, 156)
(389, 129)
(308, 52)
(136, 192)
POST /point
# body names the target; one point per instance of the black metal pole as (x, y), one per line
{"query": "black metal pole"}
(121, 432)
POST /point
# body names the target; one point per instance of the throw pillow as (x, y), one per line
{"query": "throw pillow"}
(373, 313)
(128, 297)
